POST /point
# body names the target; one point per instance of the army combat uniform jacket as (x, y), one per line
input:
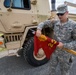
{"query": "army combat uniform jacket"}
(65, 33)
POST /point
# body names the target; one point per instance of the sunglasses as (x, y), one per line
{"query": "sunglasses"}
(60, 14)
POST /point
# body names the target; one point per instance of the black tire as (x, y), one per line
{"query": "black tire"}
(20, 52)
(28, 54)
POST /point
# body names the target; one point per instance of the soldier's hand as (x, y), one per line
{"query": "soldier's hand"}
(38, 33)
(60, 45)
(53, 20)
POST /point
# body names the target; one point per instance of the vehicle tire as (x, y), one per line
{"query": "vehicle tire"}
(20, 52)
(28, 53)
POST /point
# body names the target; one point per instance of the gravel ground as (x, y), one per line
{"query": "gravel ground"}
(10, 64)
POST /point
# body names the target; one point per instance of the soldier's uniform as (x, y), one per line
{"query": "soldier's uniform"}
(65, 33)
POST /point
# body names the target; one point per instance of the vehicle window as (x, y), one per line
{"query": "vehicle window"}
(7, 3)
(17, 4)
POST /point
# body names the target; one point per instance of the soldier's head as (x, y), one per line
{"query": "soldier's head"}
(62, 12)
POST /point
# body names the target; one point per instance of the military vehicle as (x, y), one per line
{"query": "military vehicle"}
(18, 20)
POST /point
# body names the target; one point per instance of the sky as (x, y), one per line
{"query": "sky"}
(70, 9)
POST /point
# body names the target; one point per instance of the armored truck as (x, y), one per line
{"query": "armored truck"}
(18, 21)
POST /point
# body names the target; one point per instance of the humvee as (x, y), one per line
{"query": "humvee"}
(18, 21)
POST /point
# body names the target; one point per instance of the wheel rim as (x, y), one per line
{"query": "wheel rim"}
(40, 55)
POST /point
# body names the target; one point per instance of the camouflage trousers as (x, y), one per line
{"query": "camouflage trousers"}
(64, 66)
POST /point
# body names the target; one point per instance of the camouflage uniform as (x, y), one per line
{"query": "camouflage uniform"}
(66, 34)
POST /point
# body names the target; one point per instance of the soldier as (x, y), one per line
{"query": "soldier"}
(65, 33)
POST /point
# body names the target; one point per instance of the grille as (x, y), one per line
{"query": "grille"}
(12, 37)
